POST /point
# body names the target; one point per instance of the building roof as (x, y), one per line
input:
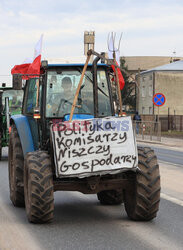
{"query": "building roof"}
(175, 66)
(146, 62)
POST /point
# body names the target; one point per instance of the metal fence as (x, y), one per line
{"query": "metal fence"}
(172, 122)
(168, 122)
(147, 130)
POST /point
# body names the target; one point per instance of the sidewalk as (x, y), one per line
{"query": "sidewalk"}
(171, 142)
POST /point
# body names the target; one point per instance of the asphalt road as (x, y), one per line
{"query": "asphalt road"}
(80, 222)
(168, 155)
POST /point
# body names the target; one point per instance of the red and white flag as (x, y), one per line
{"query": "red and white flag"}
(120, 76)
(30, 66)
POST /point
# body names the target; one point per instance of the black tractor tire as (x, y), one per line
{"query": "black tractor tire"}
(0, 146)
(142, 202)
(38, 187)
(110, 197)
(16, 169)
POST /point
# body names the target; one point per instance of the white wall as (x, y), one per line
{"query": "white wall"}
(146, 94)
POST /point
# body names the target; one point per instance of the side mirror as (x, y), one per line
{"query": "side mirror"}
(17, 82)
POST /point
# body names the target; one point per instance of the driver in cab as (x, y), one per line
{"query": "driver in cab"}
(62, 104)
(67, 86)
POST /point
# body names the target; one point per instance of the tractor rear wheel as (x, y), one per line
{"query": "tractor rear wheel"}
(110, 197)
(142, 201)
(16, 167)
(38, 187)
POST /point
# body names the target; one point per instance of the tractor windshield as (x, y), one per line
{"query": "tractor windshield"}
(15, 100)
(61, 89)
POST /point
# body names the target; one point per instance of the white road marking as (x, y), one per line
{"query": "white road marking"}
(172, 199)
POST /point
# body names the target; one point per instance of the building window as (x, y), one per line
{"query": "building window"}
(143, 91)
(150, 90)
(150, 110)
(150, 77)
(143, 110)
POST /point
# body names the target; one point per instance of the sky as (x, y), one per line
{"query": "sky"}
(150, 28)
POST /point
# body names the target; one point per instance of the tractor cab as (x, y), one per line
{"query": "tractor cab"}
(10, 104)
(49, 98)
(15, 98)
(61, 85)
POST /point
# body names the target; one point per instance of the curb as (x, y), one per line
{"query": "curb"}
(152, 142)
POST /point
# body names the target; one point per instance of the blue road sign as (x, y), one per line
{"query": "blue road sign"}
(159, 99)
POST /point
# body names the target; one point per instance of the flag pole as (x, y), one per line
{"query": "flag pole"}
(79, 85)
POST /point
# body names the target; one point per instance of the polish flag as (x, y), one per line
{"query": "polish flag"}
(30, 66)
(120, 77)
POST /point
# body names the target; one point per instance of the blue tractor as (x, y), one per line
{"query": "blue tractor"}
(47, 155)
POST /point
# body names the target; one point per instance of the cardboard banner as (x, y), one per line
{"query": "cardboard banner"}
(98, 146)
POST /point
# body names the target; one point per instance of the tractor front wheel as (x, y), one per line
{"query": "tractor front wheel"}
(142, 200)
(38, 187)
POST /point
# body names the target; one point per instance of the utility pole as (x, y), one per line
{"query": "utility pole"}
(89, 43)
